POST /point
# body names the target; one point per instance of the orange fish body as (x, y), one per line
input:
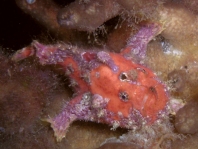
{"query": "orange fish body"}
(132, 87)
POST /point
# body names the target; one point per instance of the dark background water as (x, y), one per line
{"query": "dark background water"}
(18, 29)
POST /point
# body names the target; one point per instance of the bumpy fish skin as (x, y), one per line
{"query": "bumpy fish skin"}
(110, 87)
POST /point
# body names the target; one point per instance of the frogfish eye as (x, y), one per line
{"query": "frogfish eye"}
(123, 96)
(123, 76)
